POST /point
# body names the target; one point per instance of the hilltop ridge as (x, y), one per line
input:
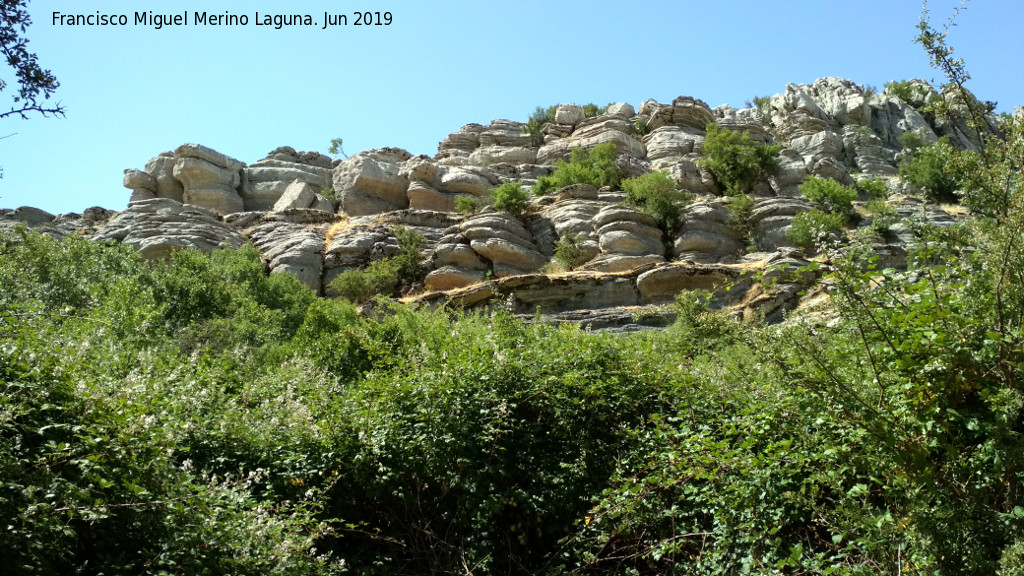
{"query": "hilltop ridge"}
(318, 217)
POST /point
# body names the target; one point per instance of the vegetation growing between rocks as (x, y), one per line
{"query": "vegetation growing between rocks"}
(569, 251)
(934, 169)
(535, 123)
(388, 276)
(735, 160)
(655, 193)
(510, 198)
(596, 168)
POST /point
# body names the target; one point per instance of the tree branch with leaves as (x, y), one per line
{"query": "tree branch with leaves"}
(35, 85)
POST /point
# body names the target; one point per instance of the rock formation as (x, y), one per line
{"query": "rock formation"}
(316, 217)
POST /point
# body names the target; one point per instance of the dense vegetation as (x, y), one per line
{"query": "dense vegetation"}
(196, 416)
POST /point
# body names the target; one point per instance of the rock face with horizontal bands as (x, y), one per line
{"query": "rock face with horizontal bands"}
(831, 128)
(157, 227)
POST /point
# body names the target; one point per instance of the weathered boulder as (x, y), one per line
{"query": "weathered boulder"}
(370, 182)
(292, 248)
(475, 181)
(266, 180)
(569, 114)
(867, 152)
(706, 233)
(621, 109)
(663, 283)
(157, 227)
(504, 241)
(684, 111)
(423, 196)
(210, 178)
(162, 170)
(298, 194)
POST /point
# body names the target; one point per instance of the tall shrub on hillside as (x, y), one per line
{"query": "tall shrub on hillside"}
(735, 159)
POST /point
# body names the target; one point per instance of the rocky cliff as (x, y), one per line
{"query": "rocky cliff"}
(316, 217)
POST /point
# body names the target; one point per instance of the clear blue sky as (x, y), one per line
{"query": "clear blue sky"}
(134, 92)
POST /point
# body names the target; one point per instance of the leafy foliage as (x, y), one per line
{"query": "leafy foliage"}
(386, 276)
(535, 123)
(934, 169)
(596, 167)
(829, 194)
(569, 251)
(736, 160)
(469, 205)
(655, 193)
(34, 83)
(510, 197)
(875, 188)
(807, 227)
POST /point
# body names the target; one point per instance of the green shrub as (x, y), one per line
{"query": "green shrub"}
(469, 205)
(735, 160)
(359, 286)
(591, 110)
(709, 328)
(510, 198)
(875, 188)
(655, 193)
(409, 258)
(883, 216)
(640, 126)
(536, 122)
(829, 194)
(807, 227)
(763, 105)
(932, 168)
(569, 251)
(911, 140)
(596, 167)
(331, 196)
(741, 207)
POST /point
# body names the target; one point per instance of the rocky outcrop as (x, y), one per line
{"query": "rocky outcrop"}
(707, 233)
(503, 241)
(158, 226)
(316, 217)
(267, 180)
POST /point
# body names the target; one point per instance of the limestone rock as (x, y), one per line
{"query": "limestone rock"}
(29, 216)
(422, 196)
(663, 283)
(570, 114)
(210, 178)
(621, 109)
(292, 248)
(684, 111)
(209, 155)
(159, 226)
(590, 133)
(673, 142)
(266, 180)
(509, 258)
(504, 241)
(475, 181)
(370, 183)
(162, 169)
(867, 151)
(139, 180)
(452, 277)
(298, 194)
(706, 234)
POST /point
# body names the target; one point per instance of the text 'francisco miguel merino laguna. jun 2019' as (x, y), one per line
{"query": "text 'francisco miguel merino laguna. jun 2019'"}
(198, 18)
